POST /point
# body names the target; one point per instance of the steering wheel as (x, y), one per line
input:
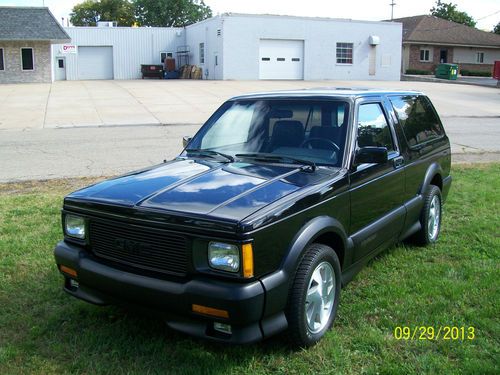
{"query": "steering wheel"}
(331, 145)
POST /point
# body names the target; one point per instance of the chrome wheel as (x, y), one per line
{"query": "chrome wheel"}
(320, 297)
(434, 218)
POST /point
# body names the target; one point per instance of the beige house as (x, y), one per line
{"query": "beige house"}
(429, 40)
(26, 36)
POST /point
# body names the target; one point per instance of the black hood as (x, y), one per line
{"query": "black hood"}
(226, 191)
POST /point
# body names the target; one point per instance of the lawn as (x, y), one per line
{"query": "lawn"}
(454, 283)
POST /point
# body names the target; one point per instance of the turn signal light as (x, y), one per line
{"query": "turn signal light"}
(69, 271)
(247, 252)
(210, 311)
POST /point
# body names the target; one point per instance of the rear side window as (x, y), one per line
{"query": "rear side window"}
(417, 118)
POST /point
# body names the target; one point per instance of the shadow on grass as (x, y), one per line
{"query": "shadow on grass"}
(57, 333)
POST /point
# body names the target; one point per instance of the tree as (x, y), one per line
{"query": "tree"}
(496, 29)
(448, 11)
(90, 12)
(166, 13)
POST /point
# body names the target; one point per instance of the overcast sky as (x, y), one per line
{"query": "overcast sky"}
(487, 12)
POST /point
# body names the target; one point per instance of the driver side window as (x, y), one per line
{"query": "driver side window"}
(373, 129)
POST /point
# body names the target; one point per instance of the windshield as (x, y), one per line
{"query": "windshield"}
(308, 130)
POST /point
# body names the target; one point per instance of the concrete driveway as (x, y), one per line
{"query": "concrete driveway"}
(94, 128)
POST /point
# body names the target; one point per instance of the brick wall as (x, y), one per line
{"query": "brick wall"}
(435, 54)
(476, 67)
(13, 72)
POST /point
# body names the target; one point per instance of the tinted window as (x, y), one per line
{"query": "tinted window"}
(417, 118)
(27, 58)
(373, 129)
(308, 129)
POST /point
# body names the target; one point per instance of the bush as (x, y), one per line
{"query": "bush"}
(474, 73)
(418, 72)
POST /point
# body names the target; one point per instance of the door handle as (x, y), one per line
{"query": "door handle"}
(398, 161)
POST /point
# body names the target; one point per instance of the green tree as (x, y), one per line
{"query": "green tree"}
(448, 11)
(165, 13)
(90, 12)
(496, 29)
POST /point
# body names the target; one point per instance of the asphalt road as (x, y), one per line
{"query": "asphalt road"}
(105, 151)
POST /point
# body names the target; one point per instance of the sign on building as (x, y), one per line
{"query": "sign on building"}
(68, 48)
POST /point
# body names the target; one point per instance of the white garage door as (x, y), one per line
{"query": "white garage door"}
(95, 63)
(281, 59)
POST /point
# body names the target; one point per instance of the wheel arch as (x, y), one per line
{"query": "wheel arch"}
(433, 176)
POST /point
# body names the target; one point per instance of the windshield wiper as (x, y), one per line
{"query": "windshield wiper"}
(209, 153)
(277, 159)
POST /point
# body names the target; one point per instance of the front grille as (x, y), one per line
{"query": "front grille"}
(138, 246)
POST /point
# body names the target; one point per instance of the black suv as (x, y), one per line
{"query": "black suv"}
(275, 203)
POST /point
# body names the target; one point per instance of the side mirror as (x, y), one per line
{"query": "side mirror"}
(185, 140)
(377, 155)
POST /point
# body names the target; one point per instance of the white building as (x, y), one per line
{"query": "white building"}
(240, 47)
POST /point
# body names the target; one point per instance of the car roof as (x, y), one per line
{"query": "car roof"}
(329, 92)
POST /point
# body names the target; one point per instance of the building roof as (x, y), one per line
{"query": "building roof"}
(30, 23)
(434, 30)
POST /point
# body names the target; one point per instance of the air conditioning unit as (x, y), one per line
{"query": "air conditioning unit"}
(107, 24)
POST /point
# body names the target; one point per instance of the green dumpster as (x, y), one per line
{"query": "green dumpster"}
(447, 71)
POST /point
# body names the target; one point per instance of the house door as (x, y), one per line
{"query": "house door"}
(60, 68)
(443, 56)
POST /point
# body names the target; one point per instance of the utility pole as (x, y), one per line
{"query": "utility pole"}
(392, 9)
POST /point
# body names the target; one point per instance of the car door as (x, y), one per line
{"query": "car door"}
(376, 190)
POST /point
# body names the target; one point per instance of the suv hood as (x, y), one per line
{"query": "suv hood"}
(227, 191)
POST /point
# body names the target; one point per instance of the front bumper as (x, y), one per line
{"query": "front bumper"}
(245, 303)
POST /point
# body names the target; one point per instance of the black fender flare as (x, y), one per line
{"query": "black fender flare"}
(277, 284)
(432, 171)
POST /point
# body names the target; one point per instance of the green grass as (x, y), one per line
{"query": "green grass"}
(454, 283)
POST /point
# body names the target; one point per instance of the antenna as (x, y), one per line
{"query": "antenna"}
(392, 4)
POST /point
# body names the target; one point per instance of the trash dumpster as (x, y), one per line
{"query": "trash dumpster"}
(496, 70)
(447, 71)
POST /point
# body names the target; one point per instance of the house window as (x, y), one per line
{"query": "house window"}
(2, 64)
(165, 55)
(425, 54)
(480, 57)
(27, 59)
(202, 53)
(344, 53)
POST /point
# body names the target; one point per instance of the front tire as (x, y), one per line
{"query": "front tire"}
(314, 297)
(430, 218)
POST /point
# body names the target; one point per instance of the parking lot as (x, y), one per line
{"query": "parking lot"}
(96, 128)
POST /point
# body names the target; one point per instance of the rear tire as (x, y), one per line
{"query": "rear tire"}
(430, 218)
(314, 296)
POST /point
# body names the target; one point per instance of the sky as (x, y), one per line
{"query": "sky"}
(486, 12)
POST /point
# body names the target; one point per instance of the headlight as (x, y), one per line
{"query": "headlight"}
(223, 256)
(74, 226)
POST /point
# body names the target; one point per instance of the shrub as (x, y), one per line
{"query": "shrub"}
(418, 72)
(475, 73)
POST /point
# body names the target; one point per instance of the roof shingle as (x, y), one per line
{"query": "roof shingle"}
(30, 23)
(431, 29)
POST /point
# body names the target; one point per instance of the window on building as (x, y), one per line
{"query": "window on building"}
(165, 55)
(27, 59)
(425, 54)
(373, 129)
(202, 53)
(2, 64)
(480, 57)
(344, 53)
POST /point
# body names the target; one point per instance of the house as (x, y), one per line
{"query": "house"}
(429, 40)
(26, 36)
(239, 47)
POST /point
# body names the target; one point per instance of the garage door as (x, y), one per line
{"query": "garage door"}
(281, 59)
(95, 63)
